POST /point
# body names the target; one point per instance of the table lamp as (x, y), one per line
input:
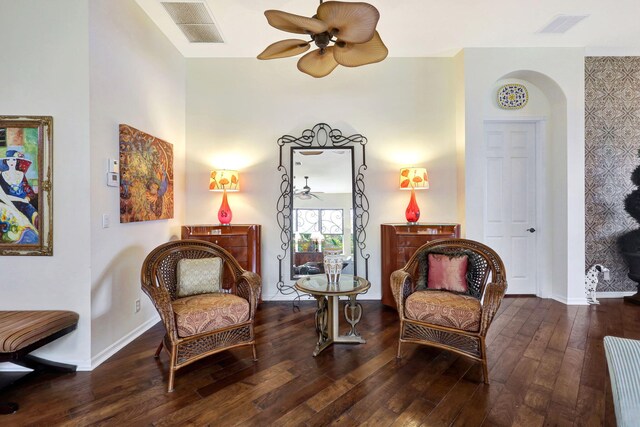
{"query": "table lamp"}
(413, 179)
(224, 180)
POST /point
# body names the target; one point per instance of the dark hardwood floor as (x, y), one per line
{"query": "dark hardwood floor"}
(546, 361)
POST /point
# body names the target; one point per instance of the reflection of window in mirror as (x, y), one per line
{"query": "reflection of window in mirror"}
(309, 224)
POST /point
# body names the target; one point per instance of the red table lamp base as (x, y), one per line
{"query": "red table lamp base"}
(413, 211)
(224, 213)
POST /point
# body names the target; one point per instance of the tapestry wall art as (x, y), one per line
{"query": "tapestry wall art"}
(26, 223)
(146, 176)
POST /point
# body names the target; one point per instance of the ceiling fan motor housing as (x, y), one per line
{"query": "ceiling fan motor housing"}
(321, 40)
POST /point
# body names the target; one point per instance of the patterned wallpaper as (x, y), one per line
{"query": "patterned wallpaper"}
(612, 140)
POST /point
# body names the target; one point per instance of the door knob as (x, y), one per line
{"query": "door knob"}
(531, 230)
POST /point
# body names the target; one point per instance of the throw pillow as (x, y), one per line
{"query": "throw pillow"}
(199, 276)
(448, 272)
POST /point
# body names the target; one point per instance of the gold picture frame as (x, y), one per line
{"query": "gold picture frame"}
(26, 193)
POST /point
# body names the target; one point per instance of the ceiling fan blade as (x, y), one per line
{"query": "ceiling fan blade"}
(318, 64)
(284, 49)
(354, 55)
(294, 23)
(350, 22)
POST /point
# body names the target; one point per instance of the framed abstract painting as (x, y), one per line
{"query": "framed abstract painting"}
(26, 222)
(146, 176)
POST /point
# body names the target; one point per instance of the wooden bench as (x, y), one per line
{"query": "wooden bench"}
(623, 359)
(21, 332)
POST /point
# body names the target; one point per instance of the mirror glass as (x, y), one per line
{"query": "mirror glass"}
(322, 209)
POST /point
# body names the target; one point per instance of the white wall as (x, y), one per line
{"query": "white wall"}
(90, 65)
(460, 140)
(137, 78)
(560, 70)
(238, 108)
(45, 71)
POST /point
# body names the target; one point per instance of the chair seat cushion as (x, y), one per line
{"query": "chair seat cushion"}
(19, 329)
(206, 312)
(444, 309)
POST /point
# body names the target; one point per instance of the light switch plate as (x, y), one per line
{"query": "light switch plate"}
(112, 179)
(114, 166)
(106, 221)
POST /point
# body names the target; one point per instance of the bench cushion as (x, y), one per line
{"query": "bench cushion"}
(19, 329)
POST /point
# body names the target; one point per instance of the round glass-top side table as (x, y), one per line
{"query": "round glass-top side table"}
(328, 297)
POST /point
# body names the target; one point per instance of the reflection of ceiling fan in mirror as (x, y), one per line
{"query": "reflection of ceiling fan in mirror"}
(344, 33)
(305, 193)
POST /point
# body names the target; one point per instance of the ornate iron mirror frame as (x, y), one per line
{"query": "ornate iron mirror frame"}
(321, 136)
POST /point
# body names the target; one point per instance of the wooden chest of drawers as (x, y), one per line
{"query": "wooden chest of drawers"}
(300, 258)
(242, 241)
(400, 241)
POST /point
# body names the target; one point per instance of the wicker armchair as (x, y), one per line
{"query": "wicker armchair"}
(444, 319)
(187, 344)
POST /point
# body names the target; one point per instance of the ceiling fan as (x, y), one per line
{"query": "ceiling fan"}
(305, 193)
(351, 27)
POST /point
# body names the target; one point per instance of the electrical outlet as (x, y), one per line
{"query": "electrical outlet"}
(137, 305)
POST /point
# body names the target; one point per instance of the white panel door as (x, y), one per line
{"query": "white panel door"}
(510, 205)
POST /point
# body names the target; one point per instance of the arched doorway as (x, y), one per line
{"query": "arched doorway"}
(522, 159)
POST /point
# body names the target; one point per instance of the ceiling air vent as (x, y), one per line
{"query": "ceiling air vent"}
(561, 24)
(195, 21)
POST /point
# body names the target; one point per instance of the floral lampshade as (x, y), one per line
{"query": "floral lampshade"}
(222, 179)
(414, 178)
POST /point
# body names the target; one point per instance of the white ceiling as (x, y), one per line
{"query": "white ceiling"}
(416, 28)
(328, 172)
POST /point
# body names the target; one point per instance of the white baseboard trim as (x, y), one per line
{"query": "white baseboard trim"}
(614, 294)
(570, 301)
(81, 365)
(583, 301)
(279, 297)
(99, 358)
(10, 367)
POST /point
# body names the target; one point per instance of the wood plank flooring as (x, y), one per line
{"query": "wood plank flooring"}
(546, 361)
